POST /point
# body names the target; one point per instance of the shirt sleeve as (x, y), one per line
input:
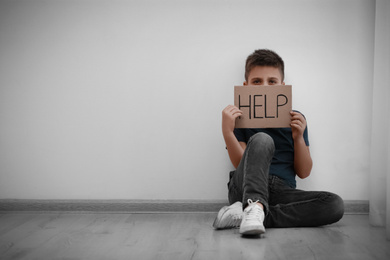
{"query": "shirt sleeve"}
(306, 136)
(240, 135)
(305, 133)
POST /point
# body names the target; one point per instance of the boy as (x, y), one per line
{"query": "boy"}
(262, 188)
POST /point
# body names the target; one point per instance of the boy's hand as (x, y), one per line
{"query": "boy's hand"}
(229, 115)
(298, 125)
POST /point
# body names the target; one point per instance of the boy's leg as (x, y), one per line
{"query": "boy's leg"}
(250, 180)
(297, 208)
(249, 183)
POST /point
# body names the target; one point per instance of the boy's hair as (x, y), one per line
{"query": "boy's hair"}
(264, 57)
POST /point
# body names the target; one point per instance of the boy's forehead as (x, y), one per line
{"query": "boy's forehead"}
(265, 72)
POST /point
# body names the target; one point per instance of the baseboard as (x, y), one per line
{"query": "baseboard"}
(111, 206)
(136, 206)
(356, 206)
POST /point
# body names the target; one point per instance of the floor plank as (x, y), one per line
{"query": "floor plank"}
(179, 236)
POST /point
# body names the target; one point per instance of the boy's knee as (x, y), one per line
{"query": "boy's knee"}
(336, 208)
(339, 206)
(262, 142)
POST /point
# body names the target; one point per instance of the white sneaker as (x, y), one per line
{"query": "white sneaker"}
(252, 221)
(229, 216)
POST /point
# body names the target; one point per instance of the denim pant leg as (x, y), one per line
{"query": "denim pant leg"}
(289, 207)
(250, 180)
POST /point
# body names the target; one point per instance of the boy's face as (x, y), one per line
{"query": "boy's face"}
(264, 76)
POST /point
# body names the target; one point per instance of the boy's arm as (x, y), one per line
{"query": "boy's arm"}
(302, 159)
(234, 147)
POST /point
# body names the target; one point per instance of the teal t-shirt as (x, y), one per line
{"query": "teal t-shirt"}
(282, 164)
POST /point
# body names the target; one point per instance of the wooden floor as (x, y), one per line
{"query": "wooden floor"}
(178, 236)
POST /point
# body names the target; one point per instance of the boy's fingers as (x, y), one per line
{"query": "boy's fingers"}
(293, 114)
(229, 107)
(297, 116)
(298, 125)
(237, 115)
(235, 110)
(297, 122)
(232, 108)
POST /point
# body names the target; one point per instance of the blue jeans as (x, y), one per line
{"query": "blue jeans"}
(284, 206)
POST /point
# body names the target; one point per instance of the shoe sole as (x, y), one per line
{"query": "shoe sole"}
(252, 231)
(222, 211)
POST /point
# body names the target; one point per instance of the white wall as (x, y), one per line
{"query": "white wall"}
(123, 99)
(379, 189)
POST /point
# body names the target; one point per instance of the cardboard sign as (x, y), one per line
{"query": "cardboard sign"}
(263, 106)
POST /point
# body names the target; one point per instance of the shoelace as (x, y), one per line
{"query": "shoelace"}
(253, 213)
